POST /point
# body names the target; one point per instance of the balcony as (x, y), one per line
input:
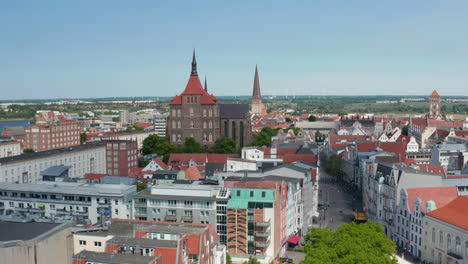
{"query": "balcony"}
(45, 201)
(187, 218)
(262, 244)
(262, 234)
(170, 218)
(263, 223)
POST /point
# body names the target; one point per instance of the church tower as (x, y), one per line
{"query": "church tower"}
(434, 105)
(258, 108)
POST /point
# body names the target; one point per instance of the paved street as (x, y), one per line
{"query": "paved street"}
(337, 202)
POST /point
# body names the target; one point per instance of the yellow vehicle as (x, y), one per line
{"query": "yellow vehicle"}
(359, 217)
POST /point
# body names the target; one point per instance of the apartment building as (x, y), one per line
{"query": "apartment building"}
(446, 234)
(152, 242)
(65, 202)
(43, 137)
(185, 203)
(160, 124)
(137, 136)
(121, 155)
(26, 168)
(10, 148)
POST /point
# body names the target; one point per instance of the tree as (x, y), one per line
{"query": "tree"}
(319, 137)
(287, 119)
(224, 146)
(312, 118)
(192, 146)
(335, 166)
(350, 243)
(404, 131)
(228, 259)
(28, 150)
(252, 260)
(261, 139)
(83, 138)
(143, 163)
(155, 144)
(141, 186)
(134, 127)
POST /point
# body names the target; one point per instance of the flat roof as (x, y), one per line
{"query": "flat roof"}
(70, 188)
(114, 258)
(23, 231)
(41, 154)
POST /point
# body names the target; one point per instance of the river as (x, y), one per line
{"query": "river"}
(23, 123)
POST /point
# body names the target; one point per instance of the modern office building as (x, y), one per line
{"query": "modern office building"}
(185, 203)
(121, 155)
(27, 168)
(65, 202)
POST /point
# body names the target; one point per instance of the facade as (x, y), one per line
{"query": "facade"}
(121, 155)
(160, 124)
(258, 108)
(196, 113)
(41, 137)
(148, 242)
(450, 156)
(414, 204)
(184, 203)
(35, 243)
(381, 186)
(123, 114)
(137, 136)
(26, 168)
(65, 202)
(10, 148)
(446, 234)
(253, 222)
(435, 111)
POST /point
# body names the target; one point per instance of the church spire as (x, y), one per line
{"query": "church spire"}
(206, 85)
(194, 65)
(256, 89)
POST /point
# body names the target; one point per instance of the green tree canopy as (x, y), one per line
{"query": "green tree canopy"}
(252, 260)
(335, 166)
(350, 243)
(312, 118)
(158, 145)
(224, 146)
(192, 146)
(404, 131)
(319, 137)
(82, 138)
(28, 150)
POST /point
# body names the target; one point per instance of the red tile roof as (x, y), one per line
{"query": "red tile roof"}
(194, 87)
(161, 163)
(144, 124)
(290, 158)
(435, 94)
(192, 173)
(453, 213)
(94, 176)
(433, 169)
(440, 195)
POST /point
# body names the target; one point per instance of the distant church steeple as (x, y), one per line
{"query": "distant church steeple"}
(194, 65)
(206, 85)
(256, 89)
(258, 108)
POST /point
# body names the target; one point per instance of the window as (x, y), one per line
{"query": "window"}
(263, 194)
(97, 244)
(172, 202)
(238, 193)
(441, 238)
(251, 194)
(82, 242)
(116, 211)
(188, 203)
(458, 245)
(449, 242)
(433, 235)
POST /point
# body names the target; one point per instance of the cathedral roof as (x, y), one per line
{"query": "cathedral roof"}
(435, 94)
(194, 87)
(256, 89)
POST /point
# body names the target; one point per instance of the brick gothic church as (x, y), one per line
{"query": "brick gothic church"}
(198, 114)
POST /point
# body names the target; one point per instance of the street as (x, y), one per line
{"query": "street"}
(336, 202)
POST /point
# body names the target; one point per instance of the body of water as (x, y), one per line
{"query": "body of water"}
(23, 123)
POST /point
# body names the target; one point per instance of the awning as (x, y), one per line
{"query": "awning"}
(294, 239)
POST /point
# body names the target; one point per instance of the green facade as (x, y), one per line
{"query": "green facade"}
(241, 197)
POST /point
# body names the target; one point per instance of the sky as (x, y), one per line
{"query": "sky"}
(79, 49)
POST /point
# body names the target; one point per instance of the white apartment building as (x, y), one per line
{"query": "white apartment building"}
(26, 168)
(445, 230)
(160, 123)
(10, 148)
(65, 201)
(414, 204)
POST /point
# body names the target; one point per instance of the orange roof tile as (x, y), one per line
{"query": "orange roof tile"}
(435, 94)
(453, 213)
(192, 173)
(194, 87)
(440, 195)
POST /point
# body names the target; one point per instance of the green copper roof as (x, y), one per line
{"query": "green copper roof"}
(240, 197)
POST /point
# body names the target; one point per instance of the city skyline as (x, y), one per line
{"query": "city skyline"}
(108, 49)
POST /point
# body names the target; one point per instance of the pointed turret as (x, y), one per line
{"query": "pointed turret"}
(194, 65)
(256, 89)
(206, 85)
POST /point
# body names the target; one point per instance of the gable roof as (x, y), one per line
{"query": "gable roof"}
(434, 94)
(161, 163)
(440, 195)
(453, 213)
(194, 87)
(192, 173)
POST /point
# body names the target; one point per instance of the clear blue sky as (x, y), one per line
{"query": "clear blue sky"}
(51, 49)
